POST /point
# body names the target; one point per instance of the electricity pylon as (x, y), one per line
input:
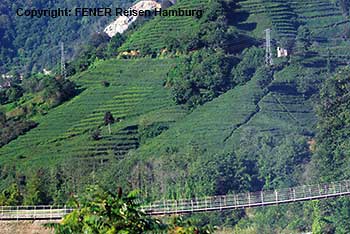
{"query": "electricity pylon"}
(268, 55)
(63, 62)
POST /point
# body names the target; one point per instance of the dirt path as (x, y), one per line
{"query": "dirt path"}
(23, 227)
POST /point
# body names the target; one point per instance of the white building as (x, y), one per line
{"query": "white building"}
(281, 52)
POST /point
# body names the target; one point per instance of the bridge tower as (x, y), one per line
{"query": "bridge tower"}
(268, 54)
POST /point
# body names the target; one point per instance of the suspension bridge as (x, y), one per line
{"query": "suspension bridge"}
(195, 205)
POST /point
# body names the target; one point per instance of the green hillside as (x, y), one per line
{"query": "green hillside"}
(31, 44)
(260, 131)
(135, 95)
(157, 33)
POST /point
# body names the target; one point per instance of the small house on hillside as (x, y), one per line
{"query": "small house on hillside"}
(281, 52)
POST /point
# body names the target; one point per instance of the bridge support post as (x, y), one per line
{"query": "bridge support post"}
(175, 206)
(319, 190)
(276, 196)
(220, 204)
(164, 206)
(249, 199)
(262, 197)
(294, 196)
(310, 192)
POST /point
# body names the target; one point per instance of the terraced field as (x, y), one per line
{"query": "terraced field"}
(158, 31)
(322, 17)
(280, 15)
(135, 94)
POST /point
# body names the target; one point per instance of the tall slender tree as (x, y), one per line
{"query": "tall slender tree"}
(109, 119)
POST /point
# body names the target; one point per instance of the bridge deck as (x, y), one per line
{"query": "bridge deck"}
(183, 206)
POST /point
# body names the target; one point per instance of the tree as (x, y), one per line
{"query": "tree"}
(333, 126)
(109, 119)
(344, 6)
(36, 189)
(99, 211)
(203, 76)
(252, 58)
(96, 135)
(304, 39)
(114, 44)
(11, 196)
(2, 119)
(97, 39)
(14, 93)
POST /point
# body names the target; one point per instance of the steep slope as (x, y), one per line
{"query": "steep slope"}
(157, 33)
(31, 44)
(135, 95)
(133, 91)
(175, 160)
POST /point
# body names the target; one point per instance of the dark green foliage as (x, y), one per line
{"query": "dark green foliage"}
(11, 129)
(114, 44)
(333, 135)
(10, 94)
(105, 83)
(252, 58)
(97, 39)
(214, 26)
(344, 6)
(271, 162)
(153, 130)
(108, 119)
(234, 173)
(332, 150)
(304, 40)
(100, 46)
(96, 135)
(11, 196)
(99, 211)
(54, 91)
(202, 77)
(31, 44)
(2, 119)
(36, 190)
(58, 90)
(7, 36)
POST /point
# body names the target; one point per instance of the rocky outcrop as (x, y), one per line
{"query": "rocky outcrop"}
(122, 23)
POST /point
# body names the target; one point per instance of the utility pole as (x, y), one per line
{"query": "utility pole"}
(63, 62)
(268, 55)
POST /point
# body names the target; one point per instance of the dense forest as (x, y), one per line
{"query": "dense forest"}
(31, 44)
(180, 108)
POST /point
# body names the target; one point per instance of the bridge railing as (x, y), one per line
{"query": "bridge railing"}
(214, 203)
(244, 200)
(33, 212)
